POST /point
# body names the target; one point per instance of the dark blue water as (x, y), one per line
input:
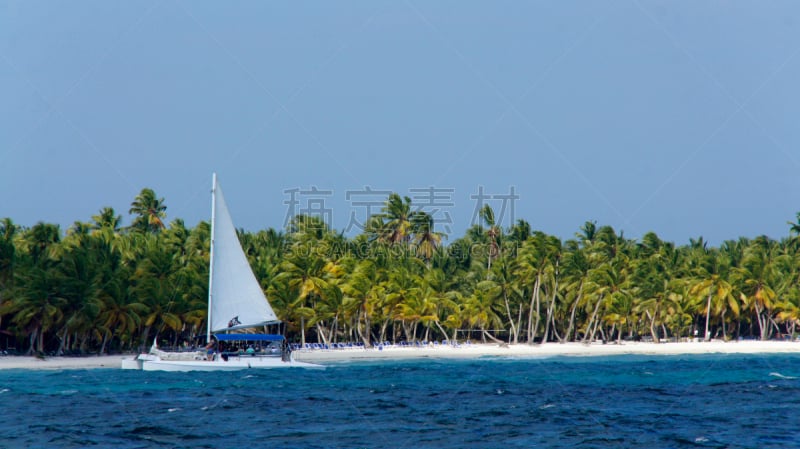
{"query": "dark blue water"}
(629, 401)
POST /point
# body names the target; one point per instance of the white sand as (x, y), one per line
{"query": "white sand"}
(552, 349)
(464, 351)
(57, 363)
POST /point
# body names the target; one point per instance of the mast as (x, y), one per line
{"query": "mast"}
(211, 255)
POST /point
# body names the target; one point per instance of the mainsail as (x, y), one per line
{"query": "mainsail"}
(235, 299)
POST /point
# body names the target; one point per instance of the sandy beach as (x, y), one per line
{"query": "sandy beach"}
(463, 351)
(59, 363)
(467, 351)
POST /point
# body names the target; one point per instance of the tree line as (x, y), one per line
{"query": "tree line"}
(101, 287)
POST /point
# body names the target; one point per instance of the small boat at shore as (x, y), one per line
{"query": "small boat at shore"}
(235, 302)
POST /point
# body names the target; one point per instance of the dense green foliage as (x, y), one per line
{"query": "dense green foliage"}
(105, 288)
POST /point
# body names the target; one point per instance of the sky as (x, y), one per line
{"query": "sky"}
(677, 117)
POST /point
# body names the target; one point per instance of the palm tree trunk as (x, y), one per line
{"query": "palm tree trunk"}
(441, 329)
(555, 329)
(491, 337)
(302, 331)
(574, 308)
(531, 330)
(510, 319)
(592, 321)
(32, 341)
(383, 331)
(105, 340)
(707, 335)
(367, 329)
(40, 344)
(550, 308)
(60, 350)
(549, 317)
(321, 334)
(546, 335)
(652, 326)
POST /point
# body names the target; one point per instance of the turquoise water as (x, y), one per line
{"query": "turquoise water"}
(626, 401)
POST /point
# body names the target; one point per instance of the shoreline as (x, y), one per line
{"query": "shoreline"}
(471, 351)
(463, 351)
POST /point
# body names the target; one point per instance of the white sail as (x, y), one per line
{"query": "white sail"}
(236, 299)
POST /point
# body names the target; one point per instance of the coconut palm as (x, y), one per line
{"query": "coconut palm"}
(37, 307)
(8, 252)
(763, 274)
(306, 276)
(107, 219)
(493, 233)
(394, 223)
(149, 211)
(718, 293)
(426, 240)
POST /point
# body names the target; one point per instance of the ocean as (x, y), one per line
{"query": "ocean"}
(718, 401)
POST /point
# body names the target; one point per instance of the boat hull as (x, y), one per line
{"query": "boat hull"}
(232, 364)
(134, 363)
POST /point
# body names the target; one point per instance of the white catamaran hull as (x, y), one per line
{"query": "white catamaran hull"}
(149, 362)
(233, 364)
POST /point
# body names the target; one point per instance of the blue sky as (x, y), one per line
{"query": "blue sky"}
(678, 117)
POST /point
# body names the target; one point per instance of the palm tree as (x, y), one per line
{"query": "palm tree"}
(794, 228)
(437, 289)
(493, 233)
(718, 292)
(37, 306)
(119, 316)
(395, 220)
(536, 265)
(607, 284)
(426, 240)
(156, 284)
(306, 276)
(576, 269)
(789, 310)
(520, 231)
(762, 272)
(150, 212)
(363, 290)
(8, 231)
(481, 310)
(41, 241)
(107, 219)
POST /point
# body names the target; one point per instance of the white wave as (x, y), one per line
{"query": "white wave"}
(781, 376)
(172, 410)
(4, 390)
(546, 406)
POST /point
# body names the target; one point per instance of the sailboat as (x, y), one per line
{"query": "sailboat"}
(235, 302)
